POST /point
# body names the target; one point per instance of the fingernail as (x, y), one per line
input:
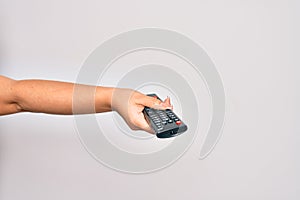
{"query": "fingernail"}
(157, 105)
(163, 105)
(169, 107)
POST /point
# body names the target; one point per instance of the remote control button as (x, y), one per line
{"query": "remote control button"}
(164, 122)
(170, 121)
(178, 122)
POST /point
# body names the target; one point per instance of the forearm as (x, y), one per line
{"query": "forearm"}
(55, 97)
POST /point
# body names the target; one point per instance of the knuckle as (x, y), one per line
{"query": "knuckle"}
(132, 127)
(134, 121)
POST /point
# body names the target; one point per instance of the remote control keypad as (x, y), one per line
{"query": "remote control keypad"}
(164, 122)
(162, 117)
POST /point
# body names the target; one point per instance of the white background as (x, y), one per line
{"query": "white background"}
(255, 46)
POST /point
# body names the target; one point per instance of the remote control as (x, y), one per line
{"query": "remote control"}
(164, 122)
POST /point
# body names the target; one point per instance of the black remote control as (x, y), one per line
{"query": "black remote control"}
(164, 122)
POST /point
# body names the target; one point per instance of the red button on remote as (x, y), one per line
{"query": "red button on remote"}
(178, 122)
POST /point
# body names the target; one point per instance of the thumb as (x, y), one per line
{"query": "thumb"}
(153, 102)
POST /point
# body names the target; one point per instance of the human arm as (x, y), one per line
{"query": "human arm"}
(54, 97)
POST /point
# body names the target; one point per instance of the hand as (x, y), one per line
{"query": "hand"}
(130, 104)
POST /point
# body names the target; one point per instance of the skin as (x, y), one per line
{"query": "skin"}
(54, 97)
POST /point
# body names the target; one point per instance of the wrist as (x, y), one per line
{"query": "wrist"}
(103, 99)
